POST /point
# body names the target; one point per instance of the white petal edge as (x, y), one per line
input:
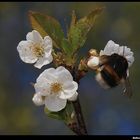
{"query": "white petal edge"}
(109, 48)
(48, 75)
(25, 52)
(63, 74)
(34, 36)
(48, 40)
(43, 61)
(121, 51)
(71, 96)
(101, 53)
(74, 97)
(47, 43)
(69, 87)
(130, 60)
(127, 51)
(64, 95)
(116, 49)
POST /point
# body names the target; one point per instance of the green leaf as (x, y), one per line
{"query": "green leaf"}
(68, 58)
(47, 25)
(78, 32)
(66, 46)
(73, 19)
(54, 115)
(65, 114)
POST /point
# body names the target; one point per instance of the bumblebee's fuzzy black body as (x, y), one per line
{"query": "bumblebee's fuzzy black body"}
(113, 69)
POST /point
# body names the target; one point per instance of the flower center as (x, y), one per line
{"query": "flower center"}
(56, 87)
(43, 97)
(38, 50)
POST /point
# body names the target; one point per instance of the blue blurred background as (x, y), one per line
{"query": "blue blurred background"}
(106, 112)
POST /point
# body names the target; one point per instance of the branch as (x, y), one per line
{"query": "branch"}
(80, 119)
(78, 127)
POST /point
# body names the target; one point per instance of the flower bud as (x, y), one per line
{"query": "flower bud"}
(93, 62)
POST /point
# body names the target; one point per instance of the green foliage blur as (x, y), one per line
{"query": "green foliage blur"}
(105, 111)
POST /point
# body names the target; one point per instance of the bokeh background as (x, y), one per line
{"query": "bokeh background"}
(106, 112)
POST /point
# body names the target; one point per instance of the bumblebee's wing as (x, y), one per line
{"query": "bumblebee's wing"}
(127, 88)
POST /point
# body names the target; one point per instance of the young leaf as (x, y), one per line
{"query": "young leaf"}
(73, 19)
(54, 115)
(78, 32)
(66, 46)
(47, 25)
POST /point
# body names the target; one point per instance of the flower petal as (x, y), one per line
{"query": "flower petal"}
(109, 48)
(101, 52)
(127, 51)
(48, 75)
(74, 97)
(69, 87)
(48, 40)
(63, 74)
(34, 36)
(130, 60)
(25, 52)
(54, 103)
(42, 87)
(116, 49)
(47, 44)
(66, 95)
(124, 51)
(37, 99)
(121, 51)
(43, 61)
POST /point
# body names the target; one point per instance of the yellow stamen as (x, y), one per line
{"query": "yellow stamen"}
(56, 87)
(43, 97)
(38, 50)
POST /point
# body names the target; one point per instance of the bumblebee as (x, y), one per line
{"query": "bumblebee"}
(112, 70)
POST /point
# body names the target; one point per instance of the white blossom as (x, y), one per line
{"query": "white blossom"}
(54, 87)
(111, 48)
(36, 49)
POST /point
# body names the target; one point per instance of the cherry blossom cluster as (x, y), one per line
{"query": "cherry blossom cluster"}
(53, 87)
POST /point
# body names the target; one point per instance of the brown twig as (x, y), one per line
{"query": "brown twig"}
(78, 112)
(78, 127)
(81, 124)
